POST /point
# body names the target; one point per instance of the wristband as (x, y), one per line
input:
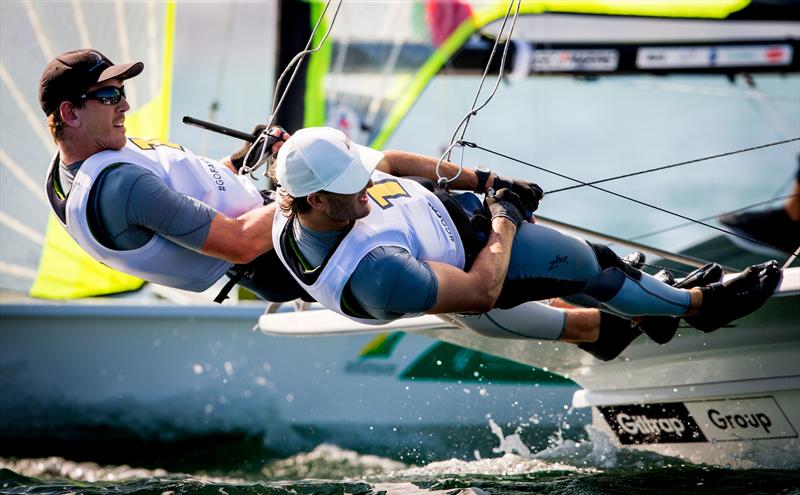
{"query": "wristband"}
(483, 177)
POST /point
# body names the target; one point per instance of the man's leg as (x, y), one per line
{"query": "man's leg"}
(601, 334)
(546, 263)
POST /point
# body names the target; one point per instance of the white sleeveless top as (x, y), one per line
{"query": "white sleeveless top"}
(161, 260)
(404, 214)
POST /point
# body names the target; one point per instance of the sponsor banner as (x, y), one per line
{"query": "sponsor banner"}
(713, 56)
(741, 419)
(702, 421)
(575, 60)
(652, 423)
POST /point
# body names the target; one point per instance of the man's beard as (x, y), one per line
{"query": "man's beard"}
(346, 208)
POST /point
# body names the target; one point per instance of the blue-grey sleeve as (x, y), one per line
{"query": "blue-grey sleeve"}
(389, 283)
(133, 203)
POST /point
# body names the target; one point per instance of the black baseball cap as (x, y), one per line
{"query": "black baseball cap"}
(72, 73)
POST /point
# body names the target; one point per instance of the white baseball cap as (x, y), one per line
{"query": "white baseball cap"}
(324, 159)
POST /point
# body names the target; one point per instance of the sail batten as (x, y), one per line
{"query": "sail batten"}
(21, 229)
(31, 116)
(38, 30)
(80, 23)
(23, 177)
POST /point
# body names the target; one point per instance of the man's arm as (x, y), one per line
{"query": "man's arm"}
(241, 239)
(130, 197)
(478, 289)
(389, 283)
(405, 164)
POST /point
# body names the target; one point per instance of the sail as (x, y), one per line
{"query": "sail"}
(380, 57)
(37, 254)
(691, 79)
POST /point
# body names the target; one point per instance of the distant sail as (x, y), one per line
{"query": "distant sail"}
(378, 59)
(444, 17)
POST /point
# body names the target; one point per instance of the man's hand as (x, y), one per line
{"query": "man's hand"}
(529, 193)
(505, 203)
(274, 141)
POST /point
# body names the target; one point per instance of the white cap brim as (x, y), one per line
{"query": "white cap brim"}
(356, 176)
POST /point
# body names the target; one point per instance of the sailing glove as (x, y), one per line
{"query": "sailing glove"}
(529, 193)
(237, 159)
(505, 203)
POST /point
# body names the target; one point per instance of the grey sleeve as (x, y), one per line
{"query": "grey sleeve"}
(389, 283)
(133, 204)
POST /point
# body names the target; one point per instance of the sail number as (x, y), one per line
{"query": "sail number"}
(381, 192)
(151, 144)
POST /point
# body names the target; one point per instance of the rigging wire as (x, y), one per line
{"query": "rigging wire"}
(443, 181)
(222, 69)
(673, 165)
(711, 217)
(634, 200)
(792, 258)
(294, 66)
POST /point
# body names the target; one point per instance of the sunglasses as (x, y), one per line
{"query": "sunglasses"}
(107, 95)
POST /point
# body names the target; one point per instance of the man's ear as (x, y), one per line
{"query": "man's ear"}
(68, 114)
(316, 201)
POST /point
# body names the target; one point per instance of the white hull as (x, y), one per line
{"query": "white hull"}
(723, 382)
(730, 397)
(162, 372)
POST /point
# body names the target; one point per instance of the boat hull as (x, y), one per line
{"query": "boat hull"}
(161, 374)
(746, 372)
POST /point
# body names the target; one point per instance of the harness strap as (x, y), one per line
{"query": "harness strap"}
(239, 272)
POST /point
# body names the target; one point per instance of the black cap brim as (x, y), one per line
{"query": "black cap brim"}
(121, 71)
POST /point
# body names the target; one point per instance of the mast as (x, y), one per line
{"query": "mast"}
(294, 29)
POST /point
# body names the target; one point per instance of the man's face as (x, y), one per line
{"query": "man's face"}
(103, 126)
(347, 207)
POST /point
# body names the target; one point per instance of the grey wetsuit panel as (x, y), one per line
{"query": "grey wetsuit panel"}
(543, 252)
(546, 263)
(388, 283)
(145, 205)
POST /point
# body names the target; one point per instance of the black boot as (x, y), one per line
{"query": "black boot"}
(724, 302)
(661, 329)
(616, 333)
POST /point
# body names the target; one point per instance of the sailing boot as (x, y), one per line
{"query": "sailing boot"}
(724, 302)
(616, 333)
(661, 329)
(636, 259)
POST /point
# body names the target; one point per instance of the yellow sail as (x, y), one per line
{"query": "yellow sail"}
(65, 270)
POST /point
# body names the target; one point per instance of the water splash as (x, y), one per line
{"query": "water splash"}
(510, 444)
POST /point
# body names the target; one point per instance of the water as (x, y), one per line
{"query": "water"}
(592, 465)
(585, 129)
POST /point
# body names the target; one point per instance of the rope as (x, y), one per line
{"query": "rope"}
(443, 181)
(609, 179)
(593, 186)
(277, 102)
(792, 258)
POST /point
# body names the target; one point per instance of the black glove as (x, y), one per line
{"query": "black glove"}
(237, 159)
(505, 203)
(529, 193)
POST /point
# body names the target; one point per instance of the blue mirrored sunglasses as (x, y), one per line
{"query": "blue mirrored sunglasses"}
(107, 95)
